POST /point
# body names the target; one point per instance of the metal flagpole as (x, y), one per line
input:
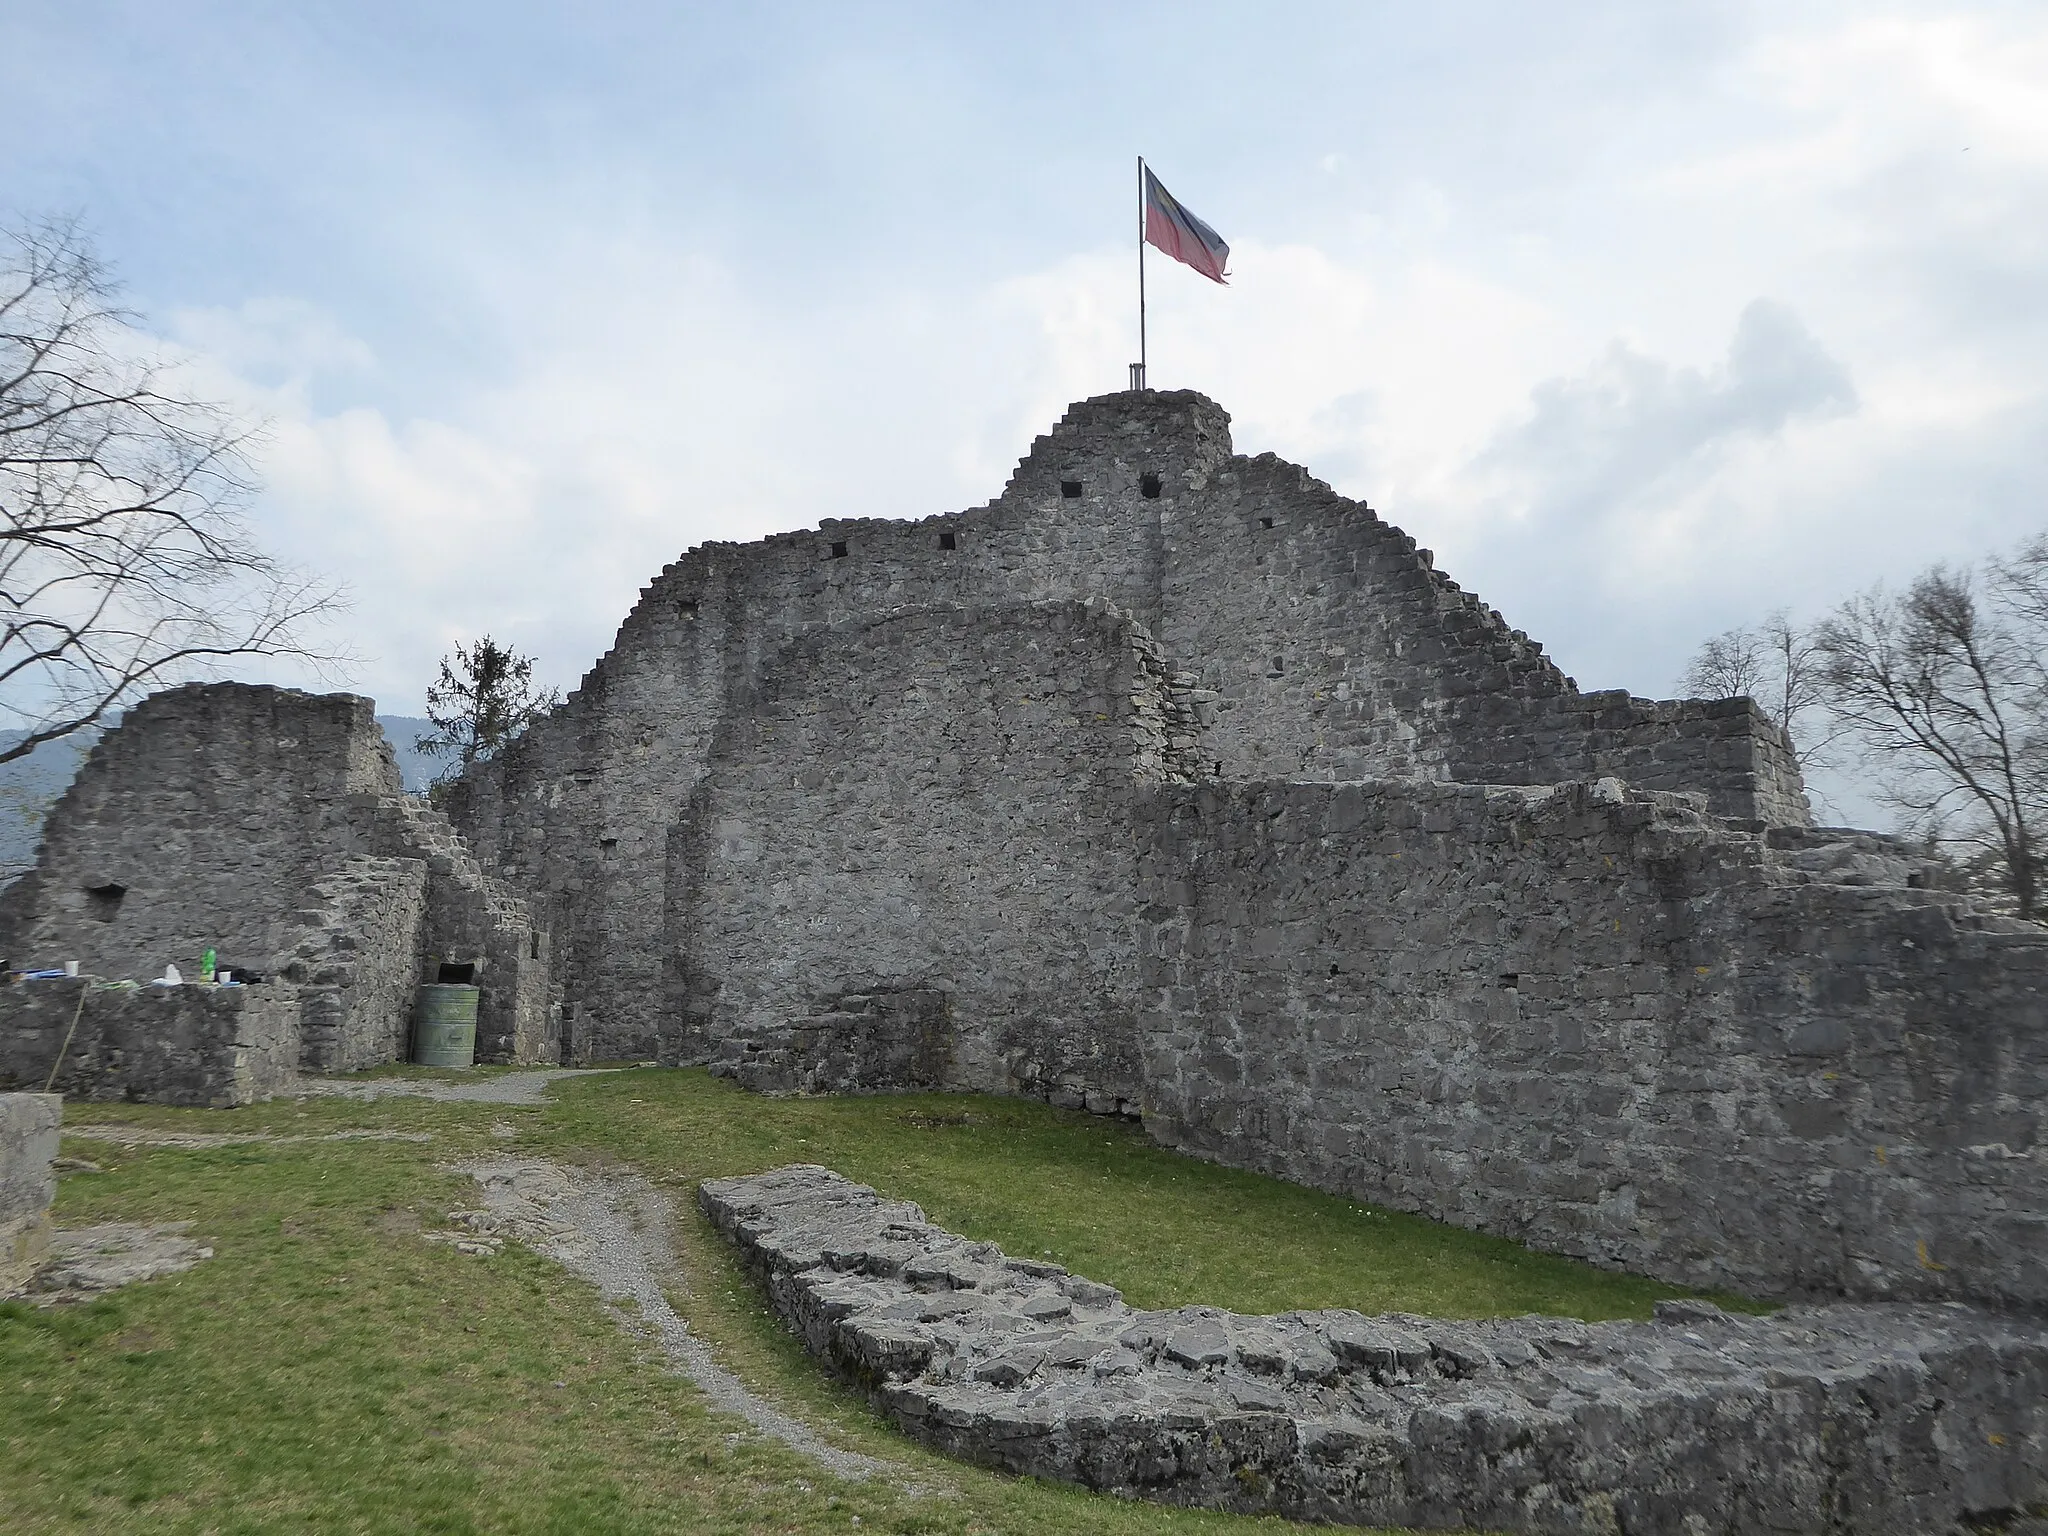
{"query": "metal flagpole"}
(1138, 373)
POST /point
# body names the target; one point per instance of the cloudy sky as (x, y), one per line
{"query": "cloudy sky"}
(1649, 319)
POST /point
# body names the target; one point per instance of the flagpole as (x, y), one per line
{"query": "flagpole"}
(1139, 382)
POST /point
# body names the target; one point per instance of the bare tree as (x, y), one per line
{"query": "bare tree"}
(125, 564)
(1944, 688)
(1780, 665)
(483, 698)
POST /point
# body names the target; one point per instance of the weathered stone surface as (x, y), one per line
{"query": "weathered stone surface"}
(1296, 634)
(269, 826)
(1609, 1025)
(857, 902)
(28, 1152)
(1041, 798)
(85, 1261)
(1889, 1418)
(208, 1047)
(357, 962)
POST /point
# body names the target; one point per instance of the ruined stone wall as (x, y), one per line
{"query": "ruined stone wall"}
(1330, 648)
(207, 1047)
(198, 824)
(1321, 642)
(1727, 748)
(1330, 645)
(358, 961)
(911, 861)
(210, 816)
(1608, 1025)
(577, 812)
(1851, 1421)
(472, 919)
(28, 1153)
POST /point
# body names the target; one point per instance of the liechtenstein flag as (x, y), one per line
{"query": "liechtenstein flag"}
(1179, 233)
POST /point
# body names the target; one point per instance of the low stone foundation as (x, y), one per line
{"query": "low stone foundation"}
(1872, 1418)
(28, 1152)
(209, 1047)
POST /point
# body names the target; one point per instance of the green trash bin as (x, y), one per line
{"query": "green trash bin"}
(444, 1026)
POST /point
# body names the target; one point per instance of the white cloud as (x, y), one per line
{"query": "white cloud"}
(1575, 394)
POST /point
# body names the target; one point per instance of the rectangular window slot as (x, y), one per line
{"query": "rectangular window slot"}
(1277, 667)
(1148, 487)
(607, 844)
(946, 539)
(686, 610)
(104, 901)
(1070, 489)
(839, 549)
(451, 975)
(533, 952)
(1509, 980)
(1265, 522)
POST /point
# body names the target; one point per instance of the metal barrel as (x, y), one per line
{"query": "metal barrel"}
(444, 1026)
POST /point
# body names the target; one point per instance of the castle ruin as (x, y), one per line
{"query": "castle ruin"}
(1172, 783)
(1168, 784)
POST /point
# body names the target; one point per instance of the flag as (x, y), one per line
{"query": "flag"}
(1179, 233)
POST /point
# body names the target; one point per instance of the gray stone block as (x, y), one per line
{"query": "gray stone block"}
(29, 1124)
(1848, 1419)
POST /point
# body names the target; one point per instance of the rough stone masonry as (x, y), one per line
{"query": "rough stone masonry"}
(269, 826)
(1840, 1419)
(1172, 783)
(1168, 783)
(29, 1125)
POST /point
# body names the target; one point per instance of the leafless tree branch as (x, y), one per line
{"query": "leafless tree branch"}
(126, 563)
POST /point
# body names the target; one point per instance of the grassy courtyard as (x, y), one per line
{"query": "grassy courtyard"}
(329, 1370)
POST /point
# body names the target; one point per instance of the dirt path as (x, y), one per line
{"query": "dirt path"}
(614, 1231)
(528, 1088)
(154, 1136)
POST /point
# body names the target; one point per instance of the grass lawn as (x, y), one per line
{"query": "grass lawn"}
(330, 1371)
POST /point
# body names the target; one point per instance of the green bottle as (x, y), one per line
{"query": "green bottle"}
(206, 968)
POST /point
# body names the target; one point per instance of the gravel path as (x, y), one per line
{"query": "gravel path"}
(154, 1136)
(529, 1088)
(613, 1230)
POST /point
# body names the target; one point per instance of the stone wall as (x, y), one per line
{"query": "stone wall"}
(1607, 1024)
(1318, 643)
(1850, 1420)
(358, 961)
(28, 1150)
(474, 920)
(911, 861)
(1727, 748)
(198, 823)
(250, 820)
(208, 1047)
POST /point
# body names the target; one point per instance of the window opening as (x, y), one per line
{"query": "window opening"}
(1148, 486)
(1265, 522)
(839, 549)
(946, 539)
(1070, 489)
(104, 901)
(451, 975)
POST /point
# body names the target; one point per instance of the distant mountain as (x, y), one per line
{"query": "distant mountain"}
(414, 767)
(29, 786)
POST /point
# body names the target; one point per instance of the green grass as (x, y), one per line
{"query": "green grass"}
(330, 1371)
